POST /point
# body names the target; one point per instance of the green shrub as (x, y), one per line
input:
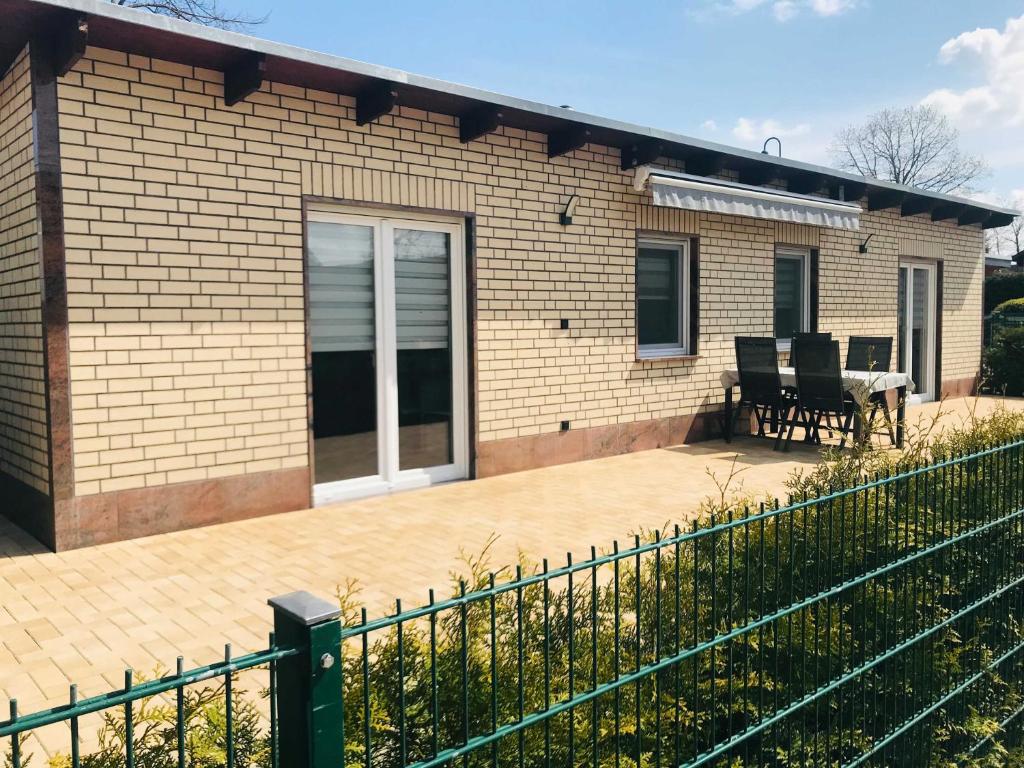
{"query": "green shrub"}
(1001, 287)
(1004, 363)
(1010, 307)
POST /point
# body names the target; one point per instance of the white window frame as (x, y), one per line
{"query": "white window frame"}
(802, 255)
(682, 248)
(389, 477)
(924, 390)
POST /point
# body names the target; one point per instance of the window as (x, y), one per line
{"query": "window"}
(792, 293)
(662, 298)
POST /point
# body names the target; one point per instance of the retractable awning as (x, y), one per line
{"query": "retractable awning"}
(700, 193)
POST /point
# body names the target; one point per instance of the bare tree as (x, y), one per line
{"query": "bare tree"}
(1008, 240)
(206, 12)
(915, 145)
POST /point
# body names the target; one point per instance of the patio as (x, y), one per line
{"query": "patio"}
(83, 615)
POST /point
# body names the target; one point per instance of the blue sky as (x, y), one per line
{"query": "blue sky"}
(729, 70)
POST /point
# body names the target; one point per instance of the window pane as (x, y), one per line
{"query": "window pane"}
(658, 300)
(423, 328)
(343, 336)
(789, 289)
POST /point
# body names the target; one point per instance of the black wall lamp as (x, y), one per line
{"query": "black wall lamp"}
(863, 247)
(565, 217)
(777, 140)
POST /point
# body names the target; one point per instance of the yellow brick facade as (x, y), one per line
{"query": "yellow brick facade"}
(23, 445)
(183, 223)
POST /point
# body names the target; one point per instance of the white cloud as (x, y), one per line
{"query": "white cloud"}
(999, 97)
(750, 130)
(709, 125)
(832, 7)
(784, 10)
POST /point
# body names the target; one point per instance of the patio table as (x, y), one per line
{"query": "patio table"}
(859, 384)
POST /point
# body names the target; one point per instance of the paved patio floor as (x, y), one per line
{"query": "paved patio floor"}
(85, 615)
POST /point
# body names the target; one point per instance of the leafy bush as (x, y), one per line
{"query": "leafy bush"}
(1010, 307)
(1001, 287)
(1004, 363)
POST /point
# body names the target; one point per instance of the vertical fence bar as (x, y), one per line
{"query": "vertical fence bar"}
(547, 664)
(616, 652)
(434, 713)
(367, 716)
(464, 663)
(571, 631)
(520, 655)
(73, 700)
(492, 603)
(129, 724)
(229, 719)
(310, 683)
(403, 746)
(179, 714)
(272, 686)
(15, 737)
(594, 725)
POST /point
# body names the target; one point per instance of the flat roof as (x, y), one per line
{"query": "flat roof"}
(145, 33)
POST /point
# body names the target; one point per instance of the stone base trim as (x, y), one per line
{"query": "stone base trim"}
(960, 387)
(514, 454)
(105, 517)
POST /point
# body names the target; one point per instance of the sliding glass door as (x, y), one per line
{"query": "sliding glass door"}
(387, 330)
(917, 327)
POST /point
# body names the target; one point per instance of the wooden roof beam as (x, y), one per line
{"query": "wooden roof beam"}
(565, 141)
(480, 122)
(375, 102)
(244, 78)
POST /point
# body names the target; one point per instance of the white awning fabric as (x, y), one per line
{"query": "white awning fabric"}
(699, 193)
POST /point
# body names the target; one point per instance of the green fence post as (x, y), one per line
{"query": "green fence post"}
(309, 684)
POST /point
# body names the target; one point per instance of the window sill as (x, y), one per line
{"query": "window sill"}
(674, 355)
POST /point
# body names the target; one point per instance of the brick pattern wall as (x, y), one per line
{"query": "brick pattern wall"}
(185, 270)
(858, 292)
(23, 445)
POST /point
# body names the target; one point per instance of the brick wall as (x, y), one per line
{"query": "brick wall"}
(185, 270)
(23, 445)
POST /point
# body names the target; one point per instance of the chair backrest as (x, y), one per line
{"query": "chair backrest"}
(757, 359)
(869, 353)
(803, 338)
(819, 380)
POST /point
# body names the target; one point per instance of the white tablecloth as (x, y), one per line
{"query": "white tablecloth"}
(860, 384)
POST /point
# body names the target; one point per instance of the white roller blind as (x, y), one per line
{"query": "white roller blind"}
(422, 289)
(341, 295)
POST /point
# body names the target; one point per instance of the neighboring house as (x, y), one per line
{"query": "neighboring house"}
(240, 277)
(995, 264)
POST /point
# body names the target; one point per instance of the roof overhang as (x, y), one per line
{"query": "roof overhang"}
(246, 61)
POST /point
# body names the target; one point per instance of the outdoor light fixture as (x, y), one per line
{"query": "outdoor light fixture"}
(863, 247)
(565, 217)
(764, 149)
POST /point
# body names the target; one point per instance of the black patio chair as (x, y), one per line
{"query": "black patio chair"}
(799, 339)
(802, 338)
(872, 353)
(757, 360)
(819, 385)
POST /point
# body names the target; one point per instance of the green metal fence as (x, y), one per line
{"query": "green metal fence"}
(128, 698)
(995, 323)
(879, 625)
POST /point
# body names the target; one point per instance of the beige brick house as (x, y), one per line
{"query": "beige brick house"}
(239, 278)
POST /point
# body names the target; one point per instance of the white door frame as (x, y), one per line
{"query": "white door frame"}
(389, 477)
(924, 390)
